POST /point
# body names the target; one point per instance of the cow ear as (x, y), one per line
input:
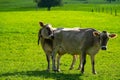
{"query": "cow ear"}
(112, 35)
(41, 24)
(96, 33)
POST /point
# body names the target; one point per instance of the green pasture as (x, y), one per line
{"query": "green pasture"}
(22, 59)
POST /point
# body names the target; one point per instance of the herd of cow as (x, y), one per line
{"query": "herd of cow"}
(74, 41)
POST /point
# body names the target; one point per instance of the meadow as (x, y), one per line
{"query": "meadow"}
(22, 59)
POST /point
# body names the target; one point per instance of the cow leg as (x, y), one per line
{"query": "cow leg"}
(93, 64)
(73, 62)
(58, 62)
(48, 61)
(83, 61)
(54, 60)
(80, 62)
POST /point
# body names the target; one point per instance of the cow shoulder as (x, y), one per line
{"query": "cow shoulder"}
(88, 39)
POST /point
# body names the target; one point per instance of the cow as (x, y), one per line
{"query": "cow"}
(46, 41)
(81, 41)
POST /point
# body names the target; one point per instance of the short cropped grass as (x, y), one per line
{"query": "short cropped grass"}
(22, 59)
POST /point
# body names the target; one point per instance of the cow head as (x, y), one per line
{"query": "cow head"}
(46, 30)
(103, 37)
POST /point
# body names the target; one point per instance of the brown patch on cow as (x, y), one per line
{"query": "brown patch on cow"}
(112, 35)
(96, 33)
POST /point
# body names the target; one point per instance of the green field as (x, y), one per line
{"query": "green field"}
(22, 59)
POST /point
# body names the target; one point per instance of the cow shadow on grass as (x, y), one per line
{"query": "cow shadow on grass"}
(46, 75)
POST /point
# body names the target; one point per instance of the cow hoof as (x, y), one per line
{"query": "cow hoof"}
(70, 68)
(78, 69)
(55, 70)
(94, 72)
(82, 72)
(58, 70)
(48, 70)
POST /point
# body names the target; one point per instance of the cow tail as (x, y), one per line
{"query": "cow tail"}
(38, 40)
(39, 35)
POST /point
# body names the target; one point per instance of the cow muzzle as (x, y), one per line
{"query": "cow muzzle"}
(103, 47)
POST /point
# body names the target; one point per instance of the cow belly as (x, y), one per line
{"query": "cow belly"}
(71, 45)
(70, 49)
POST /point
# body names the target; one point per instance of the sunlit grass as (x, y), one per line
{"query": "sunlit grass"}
(22, 58)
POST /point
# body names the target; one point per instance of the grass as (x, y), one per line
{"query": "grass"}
(21, 57)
